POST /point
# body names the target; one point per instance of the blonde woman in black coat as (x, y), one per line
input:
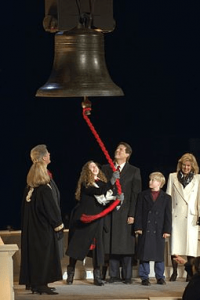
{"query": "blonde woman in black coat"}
(41, 227)
(41, 153)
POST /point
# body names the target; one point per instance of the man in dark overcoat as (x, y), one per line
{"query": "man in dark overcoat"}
(119, 239)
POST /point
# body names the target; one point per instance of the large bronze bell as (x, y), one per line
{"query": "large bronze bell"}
(79, 67)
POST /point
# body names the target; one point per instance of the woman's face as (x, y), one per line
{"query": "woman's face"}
(94, 169)
(186, 167)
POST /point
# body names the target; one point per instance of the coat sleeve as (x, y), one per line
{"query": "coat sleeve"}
(198, 197)
(135, 190)
(169, 185)
(49, 208)
(138, 213)
(169, 189)
(102, 189)
(167, 228)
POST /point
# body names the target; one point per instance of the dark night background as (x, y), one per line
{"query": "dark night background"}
(153, 55)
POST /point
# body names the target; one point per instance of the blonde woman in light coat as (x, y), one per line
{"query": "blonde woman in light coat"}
(184, 188)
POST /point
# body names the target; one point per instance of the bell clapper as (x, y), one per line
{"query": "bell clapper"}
(87, 104)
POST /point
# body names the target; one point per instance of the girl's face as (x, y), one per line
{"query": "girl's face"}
(186, 167)
(94, 169)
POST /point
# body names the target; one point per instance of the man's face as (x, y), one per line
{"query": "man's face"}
(46, 158)
(120, 153)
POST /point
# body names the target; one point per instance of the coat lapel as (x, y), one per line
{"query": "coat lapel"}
(178, 187)
(124, 171)
(184, 192)
(149, 199)
(187, 190)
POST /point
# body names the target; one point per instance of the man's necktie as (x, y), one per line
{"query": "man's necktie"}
(118, 169)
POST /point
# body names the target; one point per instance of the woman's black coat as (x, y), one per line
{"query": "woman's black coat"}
(154, 218)
(56, 196)
(40, 261)
(82, 235)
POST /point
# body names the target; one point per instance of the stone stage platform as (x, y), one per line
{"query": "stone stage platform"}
(86, 290)
(83, 287)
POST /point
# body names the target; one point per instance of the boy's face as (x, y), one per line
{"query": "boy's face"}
(154, 184)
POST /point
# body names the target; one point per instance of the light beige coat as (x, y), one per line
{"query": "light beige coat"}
(185, 213)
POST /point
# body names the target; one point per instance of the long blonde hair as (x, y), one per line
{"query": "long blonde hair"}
(190, 157)
(87, 177)
(38, 174)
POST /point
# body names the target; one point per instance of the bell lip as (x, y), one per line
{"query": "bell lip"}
(74, 94)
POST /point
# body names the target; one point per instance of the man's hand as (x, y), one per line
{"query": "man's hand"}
(179, 259)
(166, 235)
(138, 232)
(115, 176)
(120, 197)
(130, 220)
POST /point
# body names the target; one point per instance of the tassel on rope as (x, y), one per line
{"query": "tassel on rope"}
(89, 218)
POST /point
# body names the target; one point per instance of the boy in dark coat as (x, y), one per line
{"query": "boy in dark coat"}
(153, 224)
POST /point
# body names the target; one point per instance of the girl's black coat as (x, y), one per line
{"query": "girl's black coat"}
(82, 235)
(154, 219)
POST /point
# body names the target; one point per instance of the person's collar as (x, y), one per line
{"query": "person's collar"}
(121, 166)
